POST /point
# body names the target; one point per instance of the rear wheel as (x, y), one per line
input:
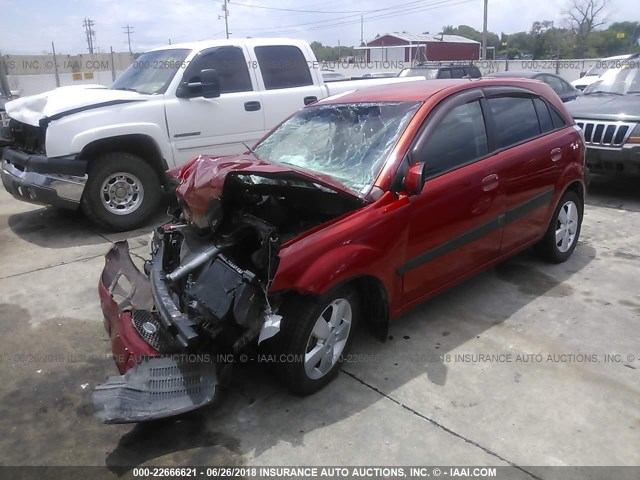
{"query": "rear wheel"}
(563, 232)
(316, 335)
(122, 191)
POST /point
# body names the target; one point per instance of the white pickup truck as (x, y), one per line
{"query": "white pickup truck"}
(105, 149)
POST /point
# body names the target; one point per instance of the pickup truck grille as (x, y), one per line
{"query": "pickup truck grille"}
(27, 137)
(605, 134)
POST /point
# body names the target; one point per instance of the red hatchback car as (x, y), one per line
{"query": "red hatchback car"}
(353, 210)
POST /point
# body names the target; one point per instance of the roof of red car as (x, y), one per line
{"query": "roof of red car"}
(421, 90)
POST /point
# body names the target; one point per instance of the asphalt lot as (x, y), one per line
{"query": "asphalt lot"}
(394, 403)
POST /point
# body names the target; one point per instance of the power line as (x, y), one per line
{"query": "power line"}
(294, 9)
(128, 30)
(318, 25)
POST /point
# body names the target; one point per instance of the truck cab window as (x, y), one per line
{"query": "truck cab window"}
(283, 66)
(230, 64)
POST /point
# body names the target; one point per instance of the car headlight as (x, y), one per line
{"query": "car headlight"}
(635, 135)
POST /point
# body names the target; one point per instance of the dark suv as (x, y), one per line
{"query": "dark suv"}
(432, 72)
(608, 112)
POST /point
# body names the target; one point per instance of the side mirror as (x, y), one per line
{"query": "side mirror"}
(582, 74)
(207, 87)
(414, 179)
(210, 83)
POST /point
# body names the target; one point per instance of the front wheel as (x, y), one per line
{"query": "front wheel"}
(316, 335)
(122, 191)
(563, 232)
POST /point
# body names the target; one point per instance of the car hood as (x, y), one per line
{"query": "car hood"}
(63, 101)
(585, 81)
(606, 107)
(203, 178)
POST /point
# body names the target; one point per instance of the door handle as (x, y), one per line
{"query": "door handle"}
(252, 106)
(308, 100)
(490, 182)
(556, 154)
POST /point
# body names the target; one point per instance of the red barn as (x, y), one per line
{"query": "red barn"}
(405, 47)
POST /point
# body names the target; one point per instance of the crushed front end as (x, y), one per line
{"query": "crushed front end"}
(205, 293)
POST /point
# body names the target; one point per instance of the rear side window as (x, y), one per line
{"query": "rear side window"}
(283, 66)
(444, 74)
(457, 72)
(459, 139)
(473, 72)
(558, 121)
(515, 119)
(231, 66)
(544, 117)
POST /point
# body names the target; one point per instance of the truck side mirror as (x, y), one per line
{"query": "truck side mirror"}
(206, 84)
(414, 179)
(210, 83)
(582, 74)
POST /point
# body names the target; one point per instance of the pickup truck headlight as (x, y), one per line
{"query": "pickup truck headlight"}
(635, 135)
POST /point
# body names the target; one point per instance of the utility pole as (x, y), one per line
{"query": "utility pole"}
(128, 29)
(88, 30)
(484, 31)
(225, 9)
(361, 30)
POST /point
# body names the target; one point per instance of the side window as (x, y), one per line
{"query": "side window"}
(231, 66)
(558, 121)
(544, 117)
(446, 73)
(515, 119)
(283, 66)
(457, 140)
(474, 72)
(457, 72)
(554, 82)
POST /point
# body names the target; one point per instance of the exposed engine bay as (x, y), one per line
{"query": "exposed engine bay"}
(206, 286)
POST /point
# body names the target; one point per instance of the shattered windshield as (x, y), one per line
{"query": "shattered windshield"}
(348, 142)
(618, 81)
(152, 72)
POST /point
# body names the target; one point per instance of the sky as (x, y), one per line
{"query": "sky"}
(29, 26)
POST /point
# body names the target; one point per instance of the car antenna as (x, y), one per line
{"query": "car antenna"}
(253, 152)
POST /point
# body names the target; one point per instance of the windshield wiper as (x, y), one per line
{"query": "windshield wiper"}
(127, 89)
(253, 152)
(602, 91)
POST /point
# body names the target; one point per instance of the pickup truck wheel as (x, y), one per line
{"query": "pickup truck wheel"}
(316, 335)
(121, 192)
(561, 237)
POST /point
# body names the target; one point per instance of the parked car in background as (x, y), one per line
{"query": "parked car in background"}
(564, 89)
(355, 209)
(4, 98)
(608, 112)
(601, 66)
(434, 71)
(105, 150)
(331, 76)
(380, 75)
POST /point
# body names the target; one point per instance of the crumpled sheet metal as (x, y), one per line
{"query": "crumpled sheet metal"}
(136, 291)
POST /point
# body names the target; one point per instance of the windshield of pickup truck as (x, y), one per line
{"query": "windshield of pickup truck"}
(619, 81)
(348, 142)
(152, 72)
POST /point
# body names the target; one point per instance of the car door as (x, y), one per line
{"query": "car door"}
(285, 78)
(531, 160)
(455, 221)
(216, 126)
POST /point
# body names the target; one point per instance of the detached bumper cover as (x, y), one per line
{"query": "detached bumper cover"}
(48, 181)
(155, 388)
(159, 380)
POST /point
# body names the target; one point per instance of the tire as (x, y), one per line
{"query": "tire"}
(301, 337)
(565, 225)
(122, 191)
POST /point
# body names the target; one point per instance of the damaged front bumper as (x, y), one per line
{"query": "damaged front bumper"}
(159, 377)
